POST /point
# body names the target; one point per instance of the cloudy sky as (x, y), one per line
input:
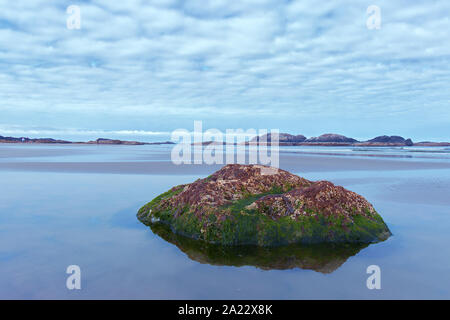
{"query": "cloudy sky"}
(149, 67)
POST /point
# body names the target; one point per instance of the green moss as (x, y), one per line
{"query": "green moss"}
(239, 205)
(143, 213)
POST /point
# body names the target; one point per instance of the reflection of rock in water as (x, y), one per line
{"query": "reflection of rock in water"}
(324, 258)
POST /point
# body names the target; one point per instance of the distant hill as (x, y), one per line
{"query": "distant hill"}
(282, 137)
(332, 137)
(391, 140)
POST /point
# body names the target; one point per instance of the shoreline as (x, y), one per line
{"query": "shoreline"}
(302, 144)
(100, 141)
(329, 144)
(332, 142)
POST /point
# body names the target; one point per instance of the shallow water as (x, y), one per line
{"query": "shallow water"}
(76, 204)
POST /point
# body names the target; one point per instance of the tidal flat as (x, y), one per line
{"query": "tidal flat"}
(64, 205)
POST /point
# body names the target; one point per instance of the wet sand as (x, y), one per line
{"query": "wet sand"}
(63, 205)
(297, 163)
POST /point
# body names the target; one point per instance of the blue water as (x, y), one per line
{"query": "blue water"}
(61, 214)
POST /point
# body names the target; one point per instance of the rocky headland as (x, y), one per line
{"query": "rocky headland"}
(263, 206)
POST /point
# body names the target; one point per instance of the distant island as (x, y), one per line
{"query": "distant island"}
(55, 141)
(332, 139)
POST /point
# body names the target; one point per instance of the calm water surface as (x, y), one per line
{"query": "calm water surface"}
(64, 205)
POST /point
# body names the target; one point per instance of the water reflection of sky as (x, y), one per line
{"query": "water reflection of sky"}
(49, 220)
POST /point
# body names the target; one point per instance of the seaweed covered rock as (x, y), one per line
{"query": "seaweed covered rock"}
(258, 205)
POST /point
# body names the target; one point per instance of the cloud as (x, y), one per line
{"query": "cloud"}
(276, 62)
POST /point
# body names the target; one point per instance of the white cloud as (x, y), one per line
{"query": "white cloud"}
(184, 59)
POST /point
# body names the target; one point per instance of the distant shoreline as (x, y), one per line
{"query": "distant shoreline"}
(331, 144)
(99, 141)
(382, 141)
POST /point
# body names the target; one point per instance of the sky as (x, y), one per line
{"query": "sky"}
(145, 68)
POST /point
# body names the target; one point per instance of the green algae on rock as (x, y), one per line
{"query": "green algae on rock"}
(263, 206)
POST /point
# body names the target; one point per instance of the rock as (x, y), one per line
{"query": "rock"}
(331, 137)
(241, 205)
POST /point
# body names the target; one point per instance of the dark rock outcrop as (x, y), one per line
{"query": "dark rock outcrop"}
(258, 205)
